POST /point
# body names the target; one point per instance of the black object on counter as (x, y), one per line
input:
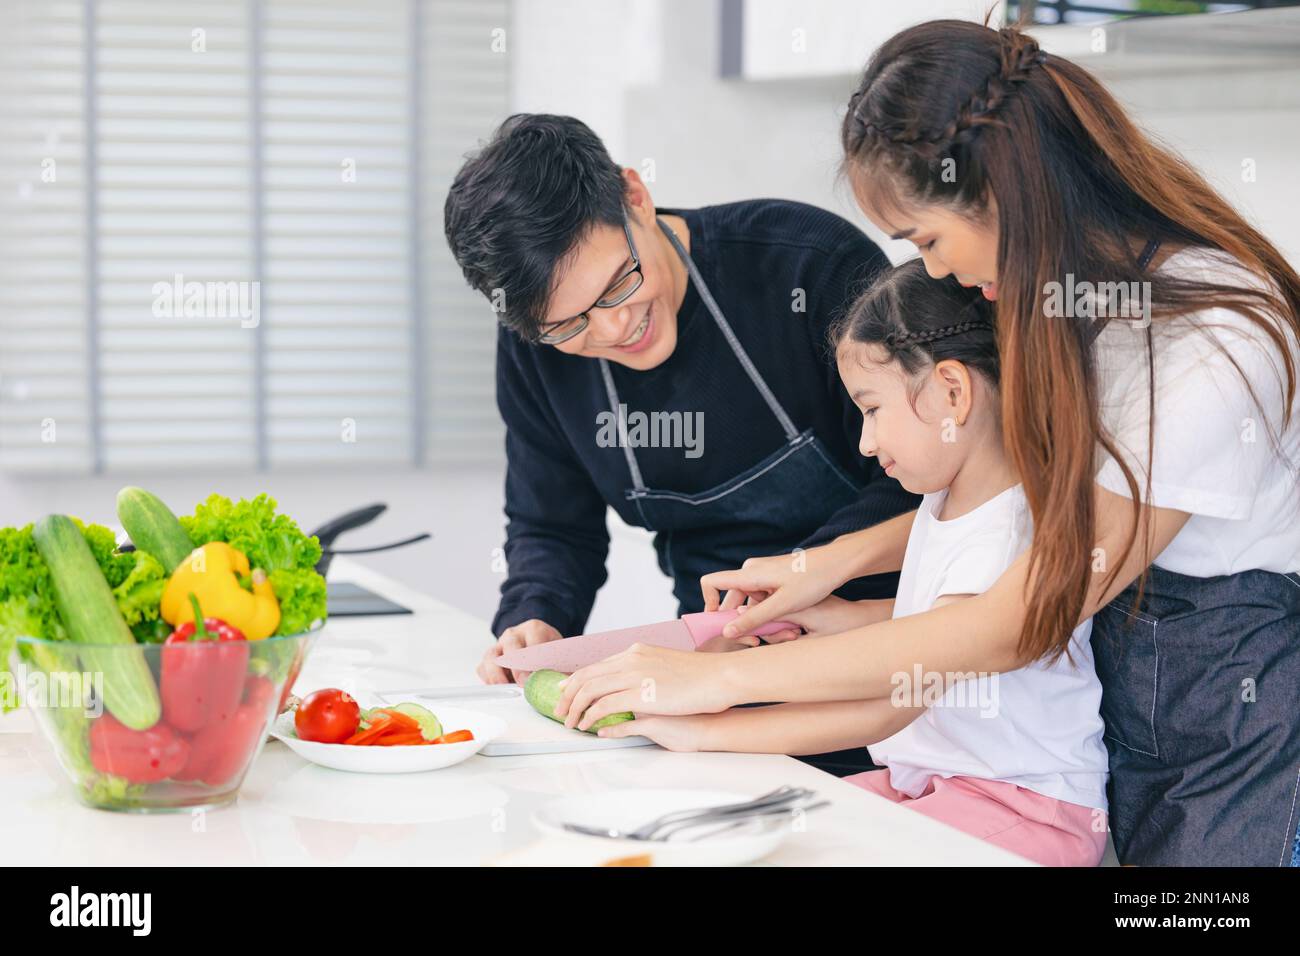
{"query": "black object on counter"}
(345, 599)
(331, 529)
(352, 600)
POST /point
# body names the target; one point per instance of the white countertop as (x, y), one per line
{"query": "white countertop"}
(292, 812)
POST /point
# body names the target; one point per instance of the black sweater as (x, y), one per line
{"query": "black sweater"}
(753, 256)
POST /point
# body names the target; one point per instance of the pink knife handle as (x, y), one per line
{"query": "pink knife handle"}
(706, 625)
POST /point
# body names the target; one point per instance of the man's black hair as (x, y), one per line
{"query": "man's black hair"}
(522, 203)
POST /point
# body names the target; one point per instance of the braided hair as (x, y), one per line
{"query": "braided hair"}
(934, 151)
(919, 322)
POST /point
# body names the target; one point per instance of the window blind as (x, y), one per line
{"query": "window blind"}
(239, 262)
(465, 79)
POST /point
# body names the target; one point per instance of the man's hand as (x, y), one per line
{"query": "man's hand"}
(514, 638)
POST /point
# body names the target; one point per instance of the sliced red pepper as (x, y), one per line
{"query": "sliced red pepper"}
(399, 740)
(400, 720)
(379, 723)
(455, 737)
(203, 668)
(141, 756)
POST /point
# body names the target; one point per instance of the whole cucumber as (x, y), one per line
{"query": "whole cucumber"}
(90, 615)
(153, 528)
(542, 690)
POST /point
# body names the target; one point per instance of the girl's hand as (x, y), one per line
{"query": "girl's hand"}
(779, 586)
(681, 734)
(831, 615)
(645, 680)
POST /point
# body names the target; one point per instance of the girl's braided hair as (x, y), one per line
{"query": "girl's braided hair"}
(919, 322)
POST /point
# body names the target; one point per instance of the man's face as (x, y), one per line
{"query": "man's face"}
(641, 331)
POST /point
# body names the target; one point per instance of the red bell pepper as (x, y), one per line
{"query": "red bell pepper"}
(203, 669)
(223, 748)
(220, 751)
(258, 691)
(141, 756)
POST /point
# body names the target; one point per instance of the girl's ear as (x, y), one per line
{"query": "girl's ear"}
(954, 378)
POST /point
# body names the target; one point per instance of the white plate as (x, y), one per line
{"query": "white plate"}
(629, 809)
(485, 728)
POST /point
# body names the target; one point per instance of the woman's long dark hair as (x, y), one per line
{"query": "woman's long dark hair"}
(960, 115)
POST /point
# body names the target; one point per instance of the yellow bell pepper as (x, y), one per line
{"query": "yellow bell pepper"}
(211, 573)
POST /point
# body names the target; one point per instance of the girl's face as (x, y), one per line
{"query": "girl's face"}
(915, 441)
(950, 244)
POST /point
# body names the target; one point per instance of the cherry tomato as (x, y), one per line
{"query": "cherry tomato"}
(327, 716)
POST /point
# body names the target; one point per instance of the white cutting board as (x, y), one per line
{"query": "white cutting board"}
(527, 731)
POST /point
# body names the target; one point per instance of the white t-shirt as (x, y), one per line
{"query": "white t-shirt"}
(1214, 457)
(1038, 727)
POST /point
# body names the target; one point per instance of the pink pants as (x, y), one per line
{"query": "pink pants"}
(1040, 828)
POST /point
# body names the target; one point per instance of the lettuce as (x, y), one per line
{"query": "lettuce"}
(27, 607)
(273, 542)
(301, 594)
(139, 592)
(26, 602)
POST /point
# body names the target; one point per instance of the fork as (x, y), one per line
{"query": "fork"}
(781, 799)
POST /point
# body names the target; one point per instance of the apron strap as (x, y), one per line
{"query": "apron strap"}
(612, 392)
(787, 425)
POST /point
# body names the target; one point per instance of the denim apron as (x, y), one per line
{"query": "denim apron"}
(789, 494)
(1201, 699)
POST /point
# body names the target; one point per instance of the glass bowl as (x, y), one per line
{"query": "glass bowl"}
(157, 727)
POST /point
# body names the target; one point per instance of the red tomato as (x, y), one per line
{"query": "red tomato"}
(328, 716)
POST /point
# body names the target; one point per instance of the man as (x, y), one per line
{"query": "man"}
(671, 364)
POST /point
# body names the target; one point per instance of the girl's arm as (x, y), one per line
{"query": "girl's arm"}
(978, 634)
(798, 581)
(795, 729)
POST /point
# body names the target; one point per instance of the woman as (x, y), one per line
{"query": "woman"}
(1158, 438)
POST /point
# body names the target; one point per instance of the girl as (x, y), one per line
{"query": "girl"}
(1016, 759)
(1158, 447)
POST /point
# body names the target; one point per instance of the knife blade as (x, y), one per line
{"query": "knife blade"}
(684, 634)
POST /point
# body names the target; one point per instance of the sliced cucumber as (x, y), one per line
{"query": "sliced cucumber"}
(430, 729)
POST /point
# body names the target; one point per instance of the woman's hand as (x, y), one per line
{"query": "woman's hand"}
(779, 586)
(831, 615)
(645, 680)
(783, 584)
(681, 734)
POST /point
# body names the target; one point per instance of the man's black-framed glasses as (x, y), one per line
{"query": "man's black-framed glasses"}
(553, 333)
